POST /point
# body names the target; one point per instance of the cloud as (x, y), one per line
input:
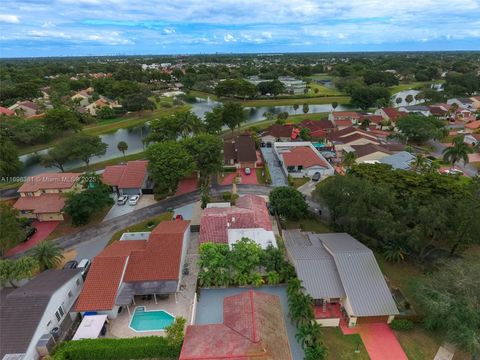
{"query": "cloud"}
(48, 25)
(229, 38)
(9, 19)
(169, 31)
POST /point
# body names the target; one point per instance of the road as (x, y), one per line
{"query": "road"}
(437, 152)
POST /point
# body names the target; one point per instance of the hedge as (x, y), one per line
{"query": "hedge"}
(151, 347)
(401, 325)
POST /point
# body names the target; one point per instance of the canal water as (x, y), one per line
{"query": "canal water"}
(134, 136)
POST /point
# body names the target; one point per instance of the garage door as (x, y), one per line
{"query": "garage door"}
(372, 319)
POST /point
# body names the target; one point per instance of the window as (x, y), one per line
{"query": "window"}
(60, 310)
(49, 323)
(57, 315)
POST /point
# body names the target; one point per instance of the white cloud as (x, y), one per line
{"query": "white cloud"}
(48, 25)
(169, 31)
(9, 19)
(229, 38)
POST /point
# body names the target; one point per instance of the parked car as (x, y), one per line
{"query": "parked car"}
(84, 264)
(133, 200)
(122, 200)
(29, 231)
(72, 264)
(316, 176)
(247, 171)
(455, 172)
(270, 208)
(179, 217)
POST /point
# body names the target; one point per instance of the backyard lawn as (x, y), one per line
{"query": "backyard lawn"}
(297, 182)
(144, 226)
(342, 347)
(308, 224)
(322, 90)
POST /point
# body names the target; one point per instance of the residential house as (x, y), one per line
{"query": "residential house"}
(465, 115)
(240, 152)
(373, 120)
(472, 139)
(143, 264)
(6, 111)
(472, 126)
(130, 178)
(100, 103)
(440, 111)
(300, 159)
(391, 114)
(344, 139)
(42, 196)
(277, 132)
(253, 327)
(463, 103)
(34, 310)
(401, 160)
(475, 102)
(324, 125)
(83, 97)
(370, 153)
(416, 109)
(225, 224)
(25, 108)
(342, 276)
(293, 85)
(342, 119)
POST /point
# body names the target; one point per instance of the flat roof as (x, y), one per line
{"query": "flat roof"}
(90, 327)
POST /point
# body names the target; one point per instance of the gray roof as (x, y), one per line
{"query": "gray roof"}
(22, 309)
(400, 160)
(337, 265)
(362, 279)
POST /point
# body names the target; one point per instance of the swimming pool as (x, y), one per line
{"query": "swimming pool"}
(150, 320)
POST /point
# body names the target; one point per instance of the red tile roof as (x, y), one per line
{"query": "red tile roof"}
(131, 175)
(45, 203)
(250, 212)
(473, 125)
(101, 285)
(345, 114)
(323, 124)
(47, 181)
(302, 156)
(253, 328)
(156, 259)
(343, 123)
(5, 111)
(393, 114)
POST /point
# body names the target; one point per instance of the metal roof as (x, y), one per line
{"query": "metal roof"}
(361, 276)
(400, 160)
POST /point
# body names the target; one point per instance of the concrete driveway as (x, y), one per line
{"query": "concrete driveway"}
(276, 171)
(119, 210)
(44, 228)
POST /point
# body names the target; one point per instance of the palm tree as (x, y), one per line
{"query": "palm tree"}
(317, 352)
(294, 286)
(309, 334)
(295, 108)
(334, 105)
(305, 108)
(398, 100)
(48, 254)
(349, 159)
(256, 279)
(409, 99)
(122, 146)
(365, 124)
(273, 277)
(419, 163)
(459, 151)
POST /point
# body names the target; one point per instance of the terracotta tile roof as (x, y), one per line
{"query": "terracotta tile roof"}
(345, 114)
(343, 123)
(130, 175)
(47, 181)
(241, 148)
(473, 125)
(367, 149)
(302, 155)
(393, 114)
(45, 203)
(279, 131)
(253, 328)
(101, 285)
(250, 212)
(155, 259)
(376, 119)
(323, 124)
(5, 111)
(28, 104)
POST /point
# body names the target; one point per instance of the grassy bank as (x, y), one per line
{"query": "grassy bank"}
(300, 101)
(342, 347)
(101, 165)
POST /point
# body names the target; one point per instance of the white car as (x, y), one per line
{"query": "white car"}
(133, 200)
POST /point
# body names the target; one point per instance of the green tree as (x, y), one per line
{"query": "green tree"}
(83, 205)
(169, 162)
(245, 256)
(458, 151)
(273, 278)
(409, 99)
(233, 115)
(57, 157)
(214, 120)
(349, 159)
(180, 124)
(122, 146)
(84, 147)
(305, 108)
(61, 119)
(289, 202)
(449, 300)
(11, 232)
(14, 270)
(419, 128)
(137, 102)
(366, 97)
(47, 254)
(206, 151)
(10, 165)
(295, 108)
(305, 134)
(334, 105)
(175, 332)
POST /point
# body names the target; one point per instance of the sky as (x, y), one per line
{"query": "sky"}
(129, 27)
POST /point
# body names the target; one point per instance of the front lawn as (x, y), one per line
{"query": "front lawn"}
(342, 347)
(144, 226)
(309, 224)
(297, 182)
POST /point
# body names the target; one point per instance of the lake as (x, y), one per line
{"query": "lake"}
(134, 136)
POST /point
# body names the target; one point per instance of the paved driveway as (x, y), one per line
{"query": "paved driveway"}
(379, 340)
(276, 172)
(119, 210)
(44, 228)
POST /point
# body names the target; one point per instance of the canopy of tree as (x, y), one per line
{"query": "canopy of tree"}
(419, 128)
(288, 202)
(235, 87)
(11, 232)
(10, 165)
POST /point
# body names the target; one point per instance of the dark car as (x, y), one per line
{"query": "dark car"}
(316, 176)
(29, 231)
(72, 264)
(270, 208)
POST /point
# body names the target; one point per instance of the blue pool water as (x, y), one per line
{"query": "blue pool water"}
(155, 320)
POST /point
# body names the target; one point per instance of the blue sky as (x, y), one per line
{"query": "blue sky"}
(111, 27)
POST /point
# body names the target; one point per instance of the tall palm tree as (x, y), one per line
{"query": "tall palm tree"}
(122, 146)
(459, 151)
(419, 163)
(317, 352)
(349, 159)
(48, 254)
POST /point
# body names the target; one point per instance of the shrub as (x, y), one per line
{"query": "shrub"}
(401, 325)
(227, 196)
(105, 349)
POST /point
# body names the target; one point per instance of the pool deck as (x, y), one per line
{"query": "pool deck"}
(119, 327)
